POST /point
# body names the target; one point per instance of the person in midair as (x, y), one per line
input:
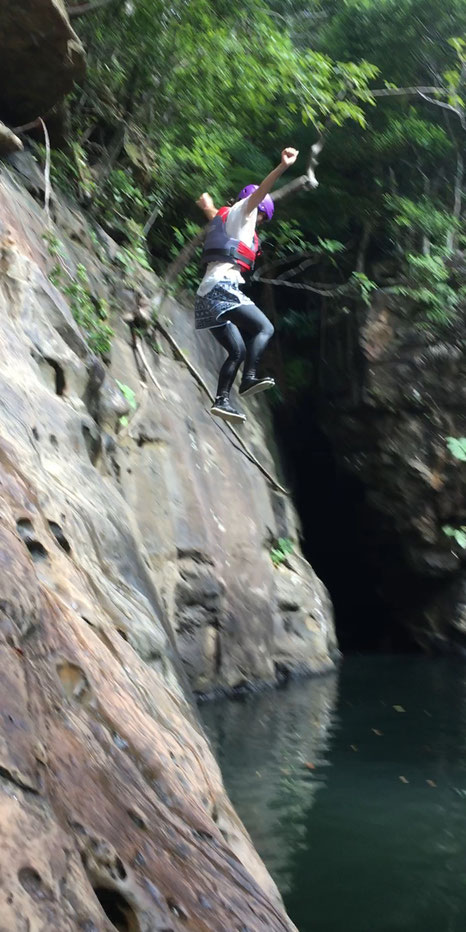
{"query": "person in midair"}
(230, 248)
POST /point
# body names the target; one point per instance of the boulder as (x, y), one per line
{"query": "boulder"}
(40, 58)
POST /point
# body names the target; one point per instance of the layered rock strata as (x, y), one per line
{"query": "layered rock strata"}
(126, 546)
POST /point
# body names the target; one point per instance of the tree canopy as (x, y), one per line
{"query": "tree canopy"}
(199, 95)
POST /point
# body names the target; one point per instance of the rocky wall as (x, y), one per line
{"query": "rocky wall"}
(389, 414)
(135, 556)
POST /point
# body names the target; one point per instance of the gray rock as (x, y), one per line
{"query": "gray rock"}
(131, 555)
(8, 141)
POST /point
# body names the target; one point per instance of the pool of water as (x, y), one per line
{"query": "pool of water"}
(353, 788)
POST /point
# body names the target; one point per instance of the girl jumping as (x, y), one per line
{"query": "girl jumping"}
(230, 248)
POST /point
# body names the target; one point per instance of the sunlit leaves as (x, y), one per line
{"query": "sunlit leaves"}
(457, 447)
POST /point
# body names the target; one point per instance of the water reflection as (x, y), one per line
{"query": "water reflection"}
(357, 801)
(272, 749)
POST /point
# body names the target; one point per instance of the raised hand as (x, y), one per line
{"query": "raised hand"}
(289, 156)
(205, 202)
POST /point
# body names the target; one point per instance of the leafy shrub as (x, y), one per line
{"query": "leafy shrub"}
(280, 552)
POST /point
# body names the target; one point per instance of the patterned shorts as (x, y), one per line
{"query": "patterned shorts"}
(209, 307)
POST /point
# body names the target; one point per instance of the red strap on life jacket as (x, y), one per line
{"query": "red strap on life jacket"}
(256, 250)
(243, 250)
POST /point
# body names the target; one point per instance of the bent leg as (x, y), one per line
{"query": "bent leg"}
(256, 330)
(230, 338)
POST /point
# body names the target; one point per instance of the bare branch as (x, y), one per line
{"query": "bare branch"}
(48, 187)
(327, 291)
(308, 181)
(23, 129)
(441, 103)
(403, 91)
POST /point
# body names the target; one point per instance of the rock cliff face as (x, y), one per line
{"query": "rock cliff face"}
(123, 549)
(134, 558)
(389, 427)
(41, 57)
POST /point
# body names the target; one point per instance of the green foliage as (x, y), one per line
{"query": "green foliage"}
(458, 534)
(178, 100)
(420, 218)
(363, 285)
(188, 278)
(297, 372)
(282, 549)
(428, 287)
(128, 393)
(90, 313)
(133, 256)
(457, 447)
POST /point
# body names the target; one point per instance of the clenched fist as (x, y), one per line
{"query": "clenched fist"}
(289, 156)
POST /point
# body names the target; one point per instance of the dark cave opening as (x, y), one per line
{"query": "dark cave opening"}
(359, 560)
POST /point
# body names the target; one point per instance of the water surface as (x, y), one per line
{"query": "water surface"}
(353, 788)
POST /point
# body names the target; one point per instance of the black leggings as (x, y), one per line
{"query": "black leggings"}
(244, 337)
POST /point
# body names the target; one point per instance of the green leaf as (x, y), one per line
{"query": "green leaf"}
(457, 447)
(128, 394)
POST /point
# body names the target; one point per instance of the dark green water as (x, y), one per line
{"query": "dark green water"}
(351, 845)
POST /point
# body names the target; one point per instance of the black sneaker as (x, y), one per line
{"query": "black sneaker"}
(251, 385)
(222, 408)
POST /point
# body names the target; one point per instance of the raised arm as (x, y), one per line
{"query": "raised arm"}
(207, 205)
(288, 158)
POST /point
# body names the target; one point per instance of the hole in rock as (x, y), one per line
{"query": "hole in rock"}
(31, 881)
(117, 909)
(54, 441)
(137, 817)
(26, 531)
(60, 384)
(74, 681)
(93, 444)
(37, 550)
(359, 561)
(24, 527)
(35, 433)
(59, 536)
(176, 909)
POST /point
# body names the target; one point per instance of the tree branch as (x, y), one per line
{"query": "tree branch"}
(327, 291)
(441, 103)
(403, 91)
(306, 181)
